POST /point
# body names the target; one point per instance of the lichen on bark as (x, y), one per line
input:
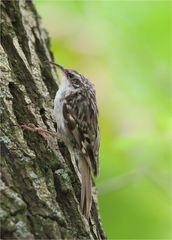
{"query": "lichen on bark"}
(40, 190)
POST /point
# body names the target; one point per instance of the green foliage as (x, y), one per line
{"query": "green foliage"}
(124, 48)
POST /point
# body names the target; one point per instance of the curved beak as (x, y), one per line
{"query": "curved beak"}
(59, 66)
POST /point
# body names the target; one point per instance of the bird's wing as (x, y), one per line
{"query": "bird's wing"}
(81, 118)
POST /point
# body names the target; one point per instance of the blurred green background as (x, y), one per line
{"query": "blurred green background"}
(123, 47)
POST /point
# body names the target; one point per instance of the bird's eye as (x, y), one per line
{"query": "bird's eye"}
(70, 75)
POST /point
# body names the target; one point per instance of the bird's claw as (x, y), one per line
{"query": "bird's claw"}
(43, 132)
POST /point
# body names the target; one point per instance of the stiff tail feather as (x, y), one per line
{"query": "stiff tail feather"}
(86, 188)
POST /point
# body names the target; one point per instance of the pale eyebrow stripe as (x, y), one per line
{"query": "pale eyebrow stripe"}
(76, 74)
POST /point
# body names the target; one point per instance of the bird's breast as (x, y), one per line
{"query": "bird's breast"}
(58, 107)
(58, 110)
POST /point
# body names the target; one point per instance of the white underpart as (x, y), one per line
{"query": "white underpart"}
(63, 91)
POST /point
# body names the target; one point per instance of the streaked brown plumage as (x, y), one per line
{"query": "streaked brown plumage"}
(76, 114)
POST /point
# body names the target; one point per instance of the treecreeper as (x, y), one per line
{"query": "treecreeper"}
(76, 115)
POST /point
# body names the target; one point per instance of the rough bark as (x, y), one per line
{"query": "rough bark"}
(40, 190)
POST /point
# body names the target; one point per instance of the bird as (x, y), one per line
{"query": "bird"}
(76, 115)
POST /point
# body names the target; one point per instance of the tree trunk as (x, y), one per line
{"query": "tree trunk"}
(40, 189)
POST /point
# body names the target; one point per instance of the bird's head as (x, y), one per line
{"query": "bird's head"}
(71, 76)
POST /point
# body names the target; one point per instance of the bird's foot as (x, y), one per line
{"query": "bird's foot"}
(43, 132)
